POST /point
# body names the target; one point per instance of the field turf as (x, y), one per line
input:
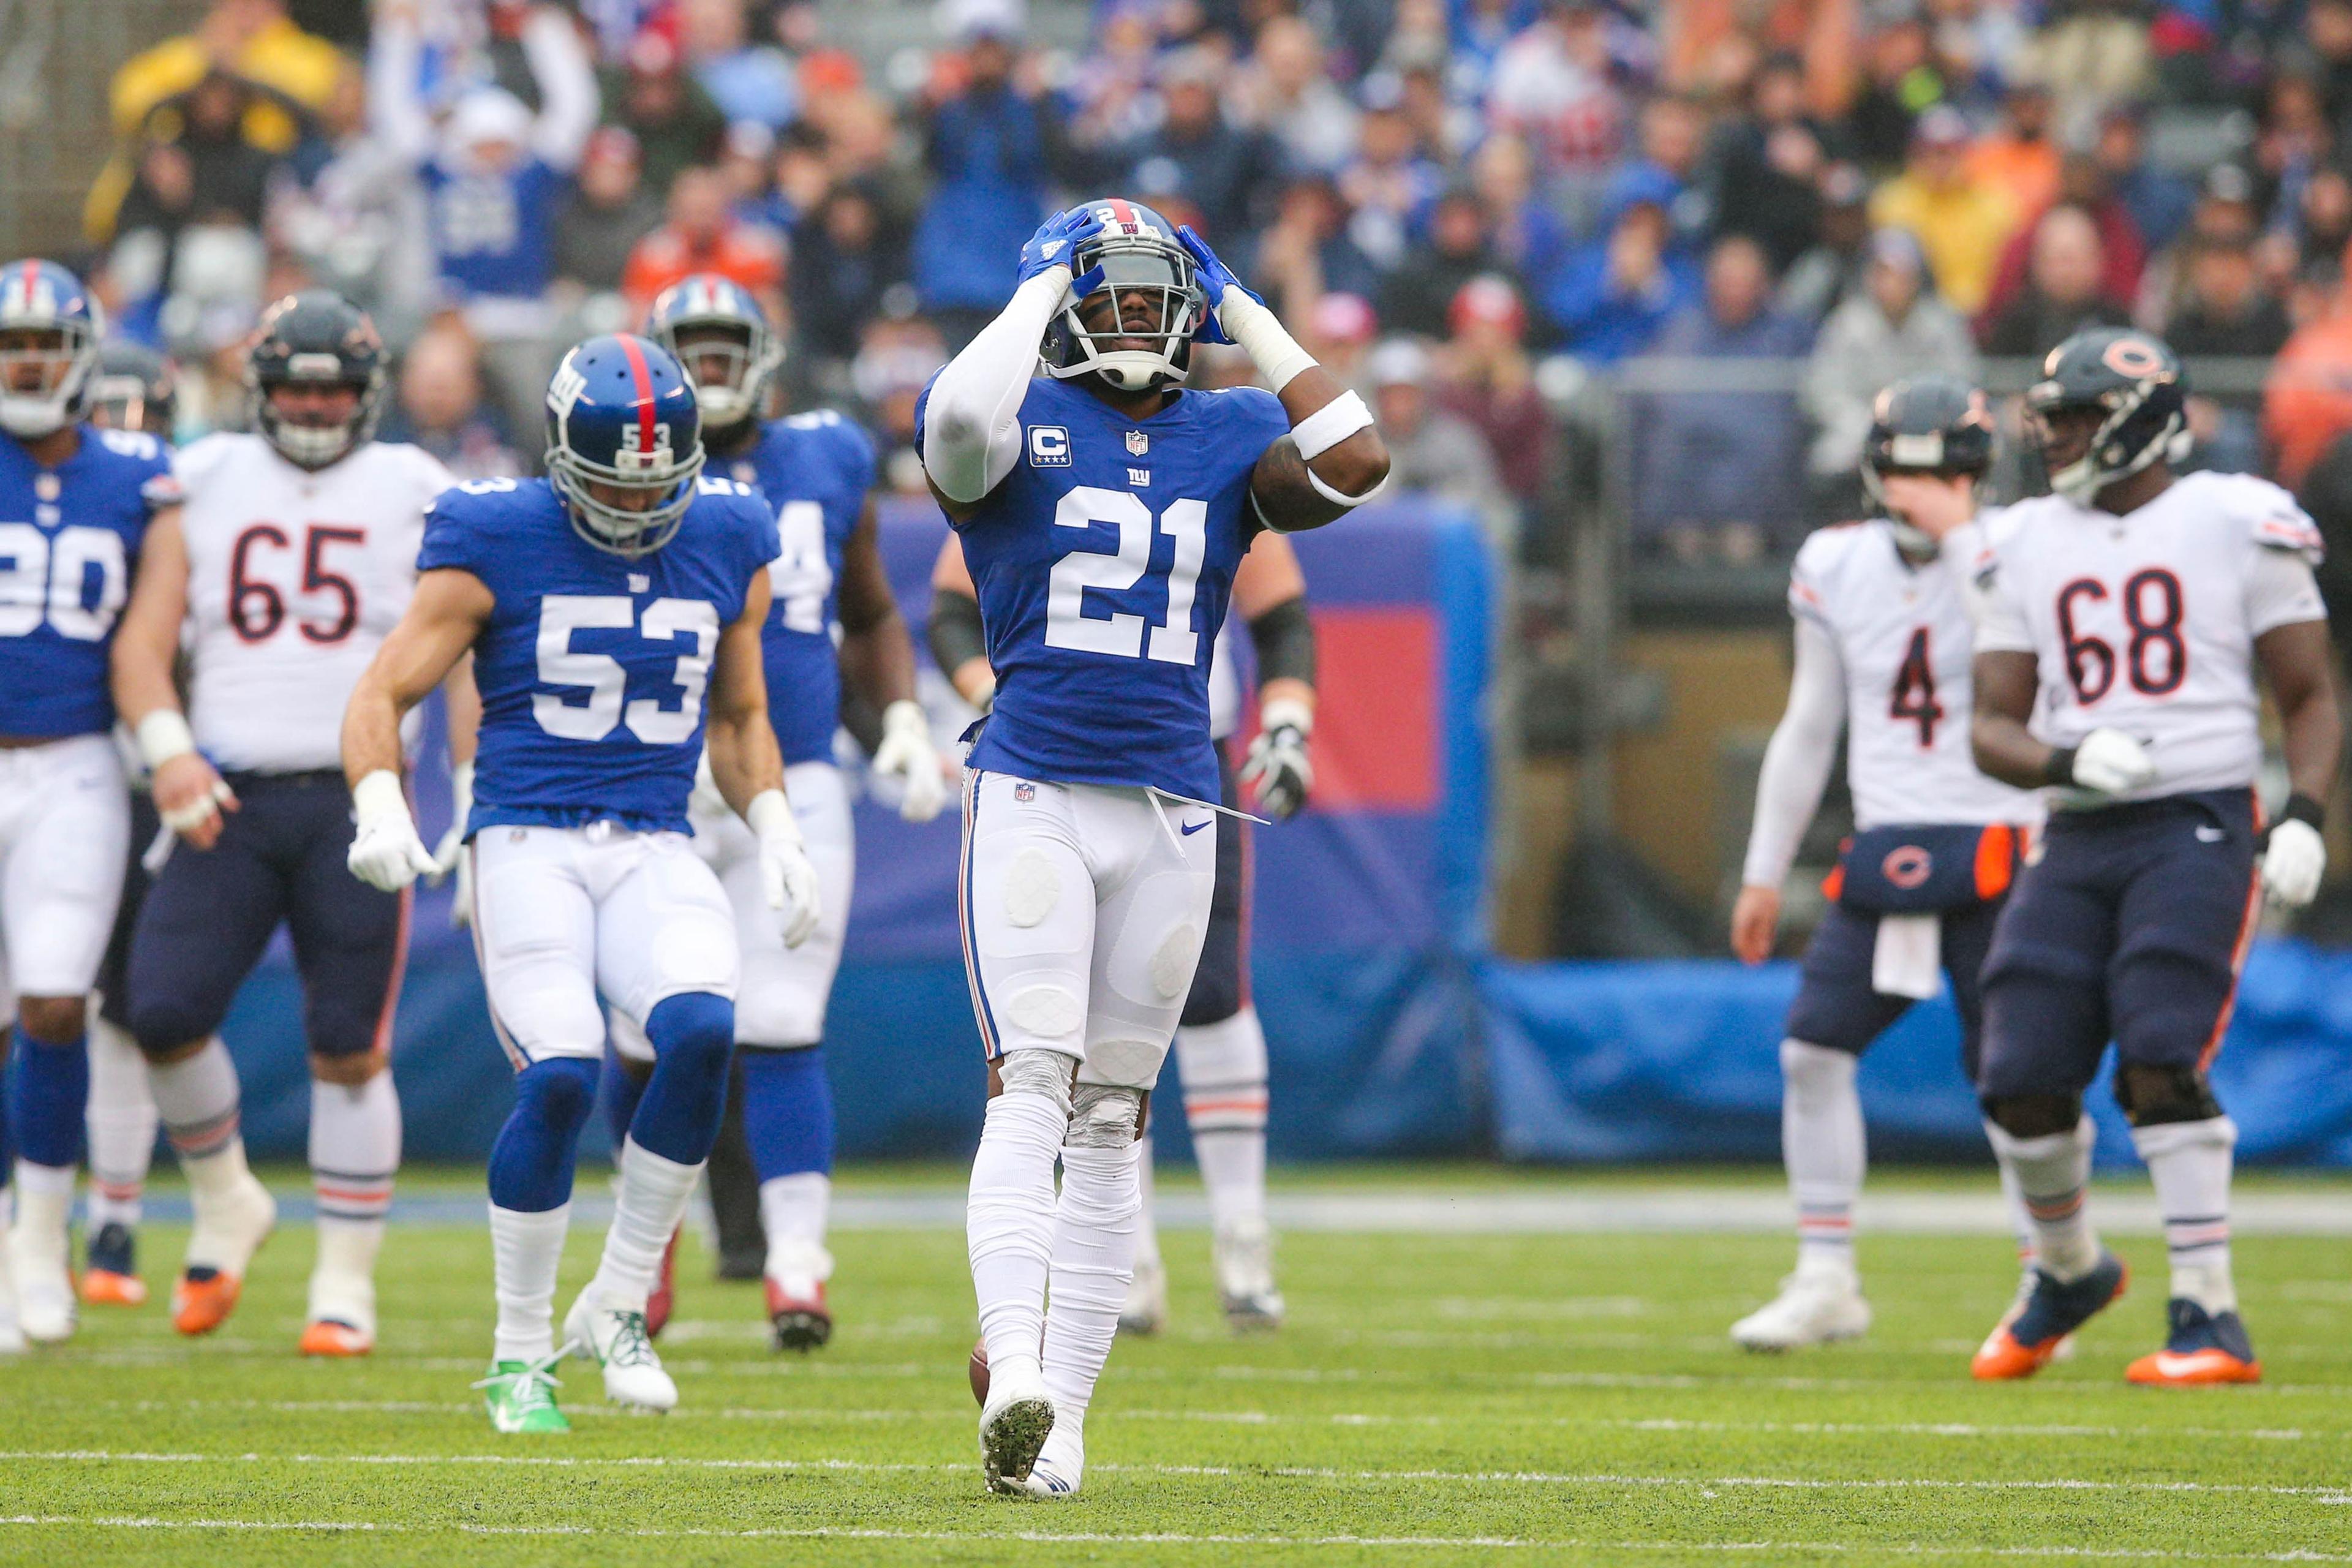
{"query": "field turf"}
(1451, 1398)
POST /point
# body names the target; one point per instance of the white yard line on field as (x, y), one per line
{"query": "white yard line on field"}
(1706, 1485)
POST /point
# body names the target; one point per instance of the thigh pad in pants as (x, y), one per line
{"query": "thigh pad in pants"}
(61, 861)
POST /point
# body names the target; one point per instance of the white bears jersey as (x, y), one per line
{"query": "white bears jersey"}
(1903, 638)
(2147, 623)
(294, 578)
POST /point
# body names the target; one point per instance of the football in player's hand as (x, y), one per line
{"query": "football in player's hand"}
(979, 1370)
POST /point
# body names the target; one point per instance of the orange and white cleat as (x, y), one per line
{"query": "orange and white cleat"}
(231, 1224)
(203, 1297)
(663, 1299)
(326, 1337)
(112, 1280)
(2203, 1349)
(2030, 1338)
(797, 1311)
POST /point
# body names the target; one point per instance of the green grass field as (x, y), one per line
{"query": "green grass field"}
(1443, 1398)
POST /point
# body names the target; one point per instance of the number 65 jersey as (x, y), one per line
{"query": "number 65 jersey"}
(1903, 639)
(1103, 564)
(295, 576)
(2147, 623)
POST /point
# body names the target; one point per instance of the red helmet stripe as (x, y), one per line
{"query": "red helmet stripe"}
(643, 375)
(32, 277)
(1120, 212)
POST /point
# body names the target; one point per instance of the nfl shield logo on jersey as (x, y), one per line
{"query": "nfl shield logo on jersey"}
(1138, 443)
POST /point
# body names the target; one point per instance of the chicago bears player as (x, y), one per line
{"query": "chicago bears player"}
(1220, 1044)
(1103, 509)
(294, 556)
(1882, 652)
(602, 604)
(815, 470)
(2138, 607)
(80, 503)
(134, 388)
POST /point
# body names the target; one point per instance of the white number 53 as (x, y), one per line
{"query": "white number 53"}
(1173, 640)
(605, 678)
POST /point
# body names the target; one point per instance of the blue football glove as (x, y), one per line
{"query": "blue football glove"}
(1215, 279)
(1056, 240)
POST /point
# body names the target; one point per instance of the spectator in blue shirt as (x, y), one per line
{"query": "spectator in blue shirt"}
(987, 147)
(1618, 290)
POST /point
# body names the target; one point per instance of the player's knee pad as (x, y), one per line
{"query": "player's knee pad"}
(1104, 1116)
(1043, 1073)
(2033, 1115)
(2153, 1094)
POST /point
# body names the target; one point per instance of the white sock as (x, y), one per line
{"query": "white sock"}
(2190, 1163)
(1822, 1144)
(121, 1121)
(1147, 1225)
(198, 1099)
(526, 1251)
(1093, 1263)
(792, 1210)
(354, 1148)
(2052, 1173)
(2021, 1225)
(648, 1203)
(1222, 1069)
(44, 1208)
(1009, 1224)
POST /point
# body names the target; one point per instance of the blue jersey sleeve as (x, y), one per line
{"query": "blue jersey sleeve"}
(454, 531)
(854, 453)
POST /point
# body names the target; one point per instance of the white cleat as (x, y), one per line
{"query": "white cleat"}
(1813, 1308)
(1013, 1427)
(39, 1256)
(614, 1339)
(1061, 1465)
(1147, 1298)
(1243, 1258)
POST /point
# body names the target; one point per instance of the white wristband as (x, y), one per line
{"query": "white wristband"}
(1286, 713)
(379, 795)
(1257, 334)
(770, 815)
(163, 735)
(1330, 425)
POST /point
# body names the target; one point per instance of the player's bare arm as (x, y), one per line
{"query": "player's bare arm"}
(189, 793)
(2004, 747)
(2294, 660)
(422, 651)
(744, 760)
(959, 639)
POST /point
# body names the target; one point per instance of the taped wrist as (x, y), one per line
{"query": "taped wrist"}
(956, 633)
(1285, 637)
(1032, 1070)
(163, 735)
(1104, 1117)
(1330, 425)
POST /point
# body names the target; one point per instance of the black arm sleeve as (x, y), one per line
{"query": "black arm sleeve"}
(955, 634)
(1285, 636)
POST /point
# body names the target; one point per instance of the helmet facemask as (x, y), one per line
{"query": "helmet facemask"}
(660, 473)
(2081, 480)
(1153, 352)
(729, 360)
(66, 352)
(316, 447)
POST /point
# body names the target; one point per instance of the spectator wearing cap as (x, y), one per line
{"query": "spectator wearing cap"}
(1832, 268)
(1552, 86)
(1388, 185)
(1339, 332)
(439, 408)
(676, 122)
(1420, 292)
(1285, 92)
(702, 233)
(1618, 291)
(1893, 328)
(1220, 168)
(750, 84)
(1489, 380)
(1306, 252)
(609, 212)
(1717, 472)
(1431, 449)
(1960, 221)
(2065, 289)
(1764, 165)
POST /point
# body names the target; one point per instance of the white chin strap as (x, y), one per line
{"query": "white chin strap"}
(723, 407)
(33, 417)
(313, 448)
(1132, 369)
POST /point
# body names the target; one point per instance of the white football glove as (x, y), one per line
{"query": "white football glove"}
(1278, 764)
(2112, 762)
(386, 851)
(784, 868)
(2292, 863)
(908, 755)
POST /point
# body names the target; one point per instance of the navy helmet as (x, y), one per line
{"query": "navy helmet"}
(728, 327)
(2134, 381)
(622, 417)
(134, 388)
(315, 338)
(1932, 424)
(1134, 249)
(42, 298)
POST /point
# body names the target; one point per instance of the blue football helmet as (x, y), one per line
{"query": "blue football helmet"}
(622, 419)
(733, 351)
(1134, 249)
(41, 296)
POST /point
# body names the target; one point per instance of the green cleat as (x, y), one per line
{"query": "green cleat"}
(521, 1396)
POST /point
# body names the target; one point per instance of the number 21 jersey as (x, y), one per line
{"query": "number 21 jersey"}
(1104, 562)
(2147, 623)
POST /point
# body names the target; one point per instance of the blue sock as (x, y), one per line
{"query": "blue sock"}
(693, 1036)
(48, 1096)
(531, 1164)
(788, 1111)
(619, 1095)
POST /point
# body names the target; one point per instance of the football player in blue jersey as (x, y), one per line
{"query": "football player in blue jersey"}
(601, 604)
(78, 502)
(1103, 509)
(814, 469)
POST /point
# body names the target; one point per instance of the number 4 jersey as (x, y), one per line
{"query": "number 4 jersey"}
(1902, 636)
(593, 666)
(1104, 562)
(294, 578)
(68, 538)
(2147, 623)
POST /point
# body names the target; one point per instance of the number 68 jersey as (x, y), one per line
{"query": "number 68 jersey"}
(2147, 623)
(294, 578)
(1903, 640)
(1103, 564)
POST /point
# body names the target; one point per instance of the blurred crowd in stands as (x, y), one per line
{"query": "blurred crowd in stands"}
(1460, 203)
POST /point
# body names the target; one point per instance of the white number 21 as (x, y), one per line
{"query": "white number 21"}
(1173, 640)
